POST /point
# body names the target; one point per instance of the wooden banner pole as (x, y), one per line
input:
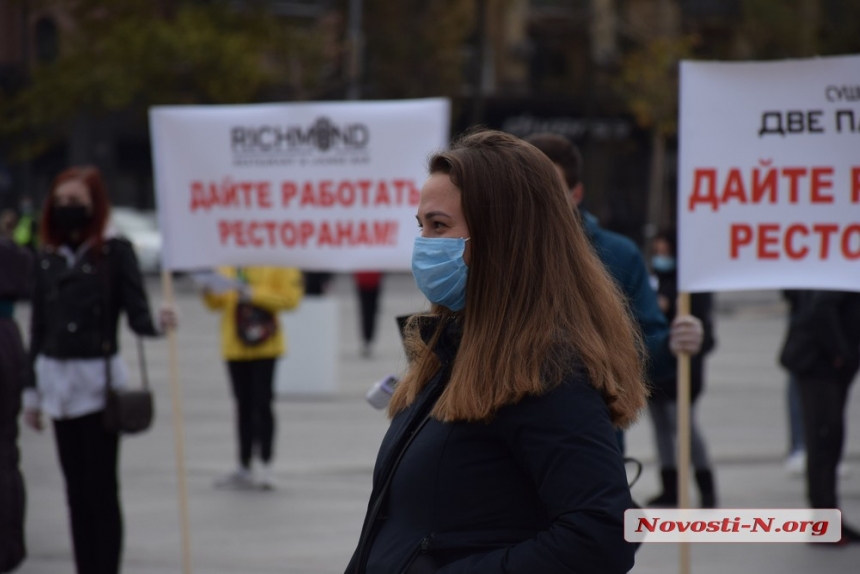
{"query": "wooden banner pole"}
(178, 429)
(684, 434)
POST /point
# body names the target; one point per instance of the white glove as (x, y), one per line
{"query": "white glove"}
(168, 318)
(686, 335)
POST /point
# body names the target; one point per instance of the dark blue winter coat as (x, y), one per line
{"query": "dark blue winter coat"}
(539, 489)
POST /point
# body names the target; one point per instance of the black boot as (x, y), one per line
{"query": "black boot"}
(669, 497)
(707, 489)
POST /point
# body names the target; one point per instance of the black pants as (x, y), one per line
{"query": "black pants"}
(252, 383)
(823, 406)
(369, 302)
(88, 456)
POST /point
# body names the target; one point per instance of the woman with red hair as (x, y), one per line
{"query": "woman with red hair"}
(84, 278)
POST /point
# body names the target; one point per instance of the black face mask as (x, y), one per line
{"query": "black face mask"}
(70, 218)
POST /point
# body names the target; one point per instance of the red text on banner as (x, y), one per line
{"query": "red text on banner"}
(855, 185)
(767, 184)
(796, 241)
(229, 194)
(271, 233)
(349, 193)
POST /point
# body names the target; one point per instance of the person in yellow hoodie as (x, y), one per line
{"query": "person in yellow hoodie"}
(251, 341)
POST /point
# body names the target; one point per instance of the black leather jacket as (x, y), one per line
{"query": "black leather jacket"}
(76, 309)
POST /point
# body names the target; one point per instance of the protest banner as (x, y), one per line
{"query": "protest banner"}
(769, 175)
(321, 186)
(768, 188)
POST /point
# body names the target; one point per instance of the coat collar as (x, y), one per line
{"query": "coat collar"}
(449, 339)
(73, 256)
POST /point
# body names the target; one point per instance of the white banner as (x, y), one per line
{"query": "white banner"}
(769, 175)
(319, 186)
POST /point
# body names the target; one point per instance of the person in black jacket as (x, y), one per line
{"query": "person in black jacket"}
(501, 455)
(663, 402)
(822, 349)
(15, 262)
(83, 281)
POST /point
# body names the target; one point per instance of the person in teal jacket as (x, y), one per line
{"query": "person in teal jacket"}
(624, 262)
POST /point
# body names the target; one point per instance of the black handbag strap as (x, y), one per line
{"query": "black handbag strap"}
(105, 265)
(141, 359)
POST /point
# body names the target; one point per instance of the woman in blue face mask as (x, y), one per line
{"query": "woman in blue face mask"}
(440, 256)
(501, 455)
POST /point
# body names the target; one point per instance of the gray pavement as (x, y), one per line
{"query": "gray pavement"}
(327, 445)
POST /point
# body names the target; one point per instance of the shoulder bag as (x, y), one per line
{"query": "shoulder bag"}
(127, 411)
(254, 325)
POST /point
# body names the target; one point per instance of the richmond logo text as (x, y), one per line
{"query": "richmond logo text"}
(284, 141)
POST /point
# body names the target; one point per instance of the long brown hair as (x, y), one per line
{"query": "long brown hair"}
(538, 300)
(91, 177)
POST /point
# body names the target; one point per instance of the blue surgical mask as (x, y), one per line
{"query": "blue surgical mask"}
(440, 271)
(663, 263)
